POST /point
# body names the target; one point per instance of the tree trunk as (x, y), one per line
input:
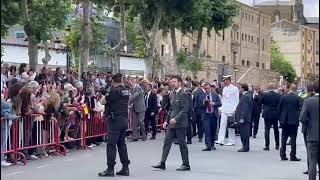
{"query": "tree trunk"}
(150, 42)
(198, 46)
(85, 37)
(32, 52)
(47, 56)
(175, 50)
(115, 52)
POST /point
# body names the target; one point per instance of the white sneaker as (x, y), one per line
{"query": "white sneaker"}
(230, 144)
(5, 164)
(91, 146)
(217, 142)
(34, 157)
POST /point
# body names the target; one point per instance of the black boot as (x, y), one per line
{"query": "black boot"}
(123, 172)
(160, 166)
(107, 173)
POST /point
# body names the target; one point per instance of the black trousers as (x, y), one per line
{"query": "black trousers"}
(199, 120)
(116, 139)
(150, 120)
(189, 129)
(305, 142)
(210, 129)
(288, 131)
(267, 126)
(180, 135)
(255, 124)
(313, 154)
(244, 130)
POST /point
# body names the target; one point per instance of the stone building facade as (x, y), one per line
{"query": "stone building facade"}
(300, 45)
(247, 43)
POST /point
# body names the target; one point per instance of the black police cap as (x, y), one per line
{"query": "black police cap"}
(118, 75)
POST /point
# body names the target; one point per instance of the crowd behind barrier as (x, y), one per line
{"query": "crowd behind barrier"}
(34, 132)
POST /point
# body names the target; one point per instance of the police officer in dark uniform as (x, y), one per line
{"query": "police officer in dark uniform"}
(117, 113)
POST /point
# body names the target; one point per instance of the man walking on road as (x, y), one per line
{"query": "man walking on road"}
(177, 123)
(117, 113)
(309, 117)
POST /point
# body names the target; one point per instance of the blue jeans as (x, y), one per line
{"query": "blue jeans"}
(5, 133)
(210, 129)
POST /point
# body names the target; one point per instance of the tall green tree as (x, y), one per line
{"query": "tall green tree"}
(281, 65)
(40, 19)
(10, 10)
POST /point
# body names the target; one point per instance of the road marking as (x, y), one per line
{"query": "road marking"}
(46, 165)
(15, 173)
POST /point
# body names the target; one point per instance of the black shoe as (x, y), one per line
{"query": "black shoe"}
(277, 148)
(123, 172)
(306, 172)
(184, 168)
(200, 140)
(243, 150)
(106, 173)
(133, 140)
(284, 159)
(213, 148)
(160, 166)
(266, 149)
(206, 149)
(254, 136)
(152, 138)
(295, 159)
(189, 141)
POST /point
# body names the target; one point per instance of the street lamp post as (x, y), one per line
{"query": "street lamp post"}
(68, 58)
(235, 69)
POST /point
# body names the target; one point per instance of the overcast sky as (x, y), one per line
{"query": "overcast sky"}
(311, 7)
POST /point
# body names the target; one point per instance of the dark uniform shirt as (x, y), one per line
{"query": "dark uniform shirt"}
(117, 107)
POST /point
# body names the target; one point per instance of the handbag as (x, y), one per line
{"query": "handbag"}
(231, 121)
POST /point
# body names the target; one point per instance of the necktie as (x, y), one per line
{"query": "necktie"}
(146, 99)
(209, 105)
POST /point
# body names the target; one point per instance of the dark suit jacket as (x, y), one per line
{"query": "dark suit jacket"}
(198, 101)
(244, 108)
(152, 103)
(289, 108)
(256, 103)
(215, 99)
(270, 101)
(190, 103)
(179, 108)
(309, 117)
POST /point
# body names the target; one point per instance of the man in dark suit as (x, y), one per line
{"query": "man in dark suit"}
(210, 105)
(270, 101)
(243, 117)
(190, 113)
(176, 124)
(309, 117)
(151, 110)
(197, 106)
(289, 108)
(256, 110)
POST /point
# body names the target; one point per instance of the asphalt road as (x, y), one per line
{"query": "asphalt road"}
(223, 164)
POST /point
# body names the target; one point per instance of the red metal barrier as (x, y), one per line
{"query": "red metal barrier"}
(162, 116)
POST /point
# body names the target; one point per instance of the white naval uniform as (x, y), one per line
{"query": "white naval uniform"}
(230, 100)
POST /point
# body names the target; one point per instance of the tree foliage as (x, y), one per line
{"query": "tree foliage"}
(10, 10)
(281, 65)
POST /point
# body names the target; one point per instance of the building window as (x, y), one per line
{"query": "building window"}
(263, 44)
(252, 18)
(243, 62)
(162, 50)
(20, 35)
(242, 36)
(258, 20)
(262, 65)
(242, 14)
(248, 63)
(237, 35)
(223, 59)
(245, 37)
(222, 35)
(257, 40)
(257, 64)
(246, 16)
(317, 64)
(263, 22)
(249, 17)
